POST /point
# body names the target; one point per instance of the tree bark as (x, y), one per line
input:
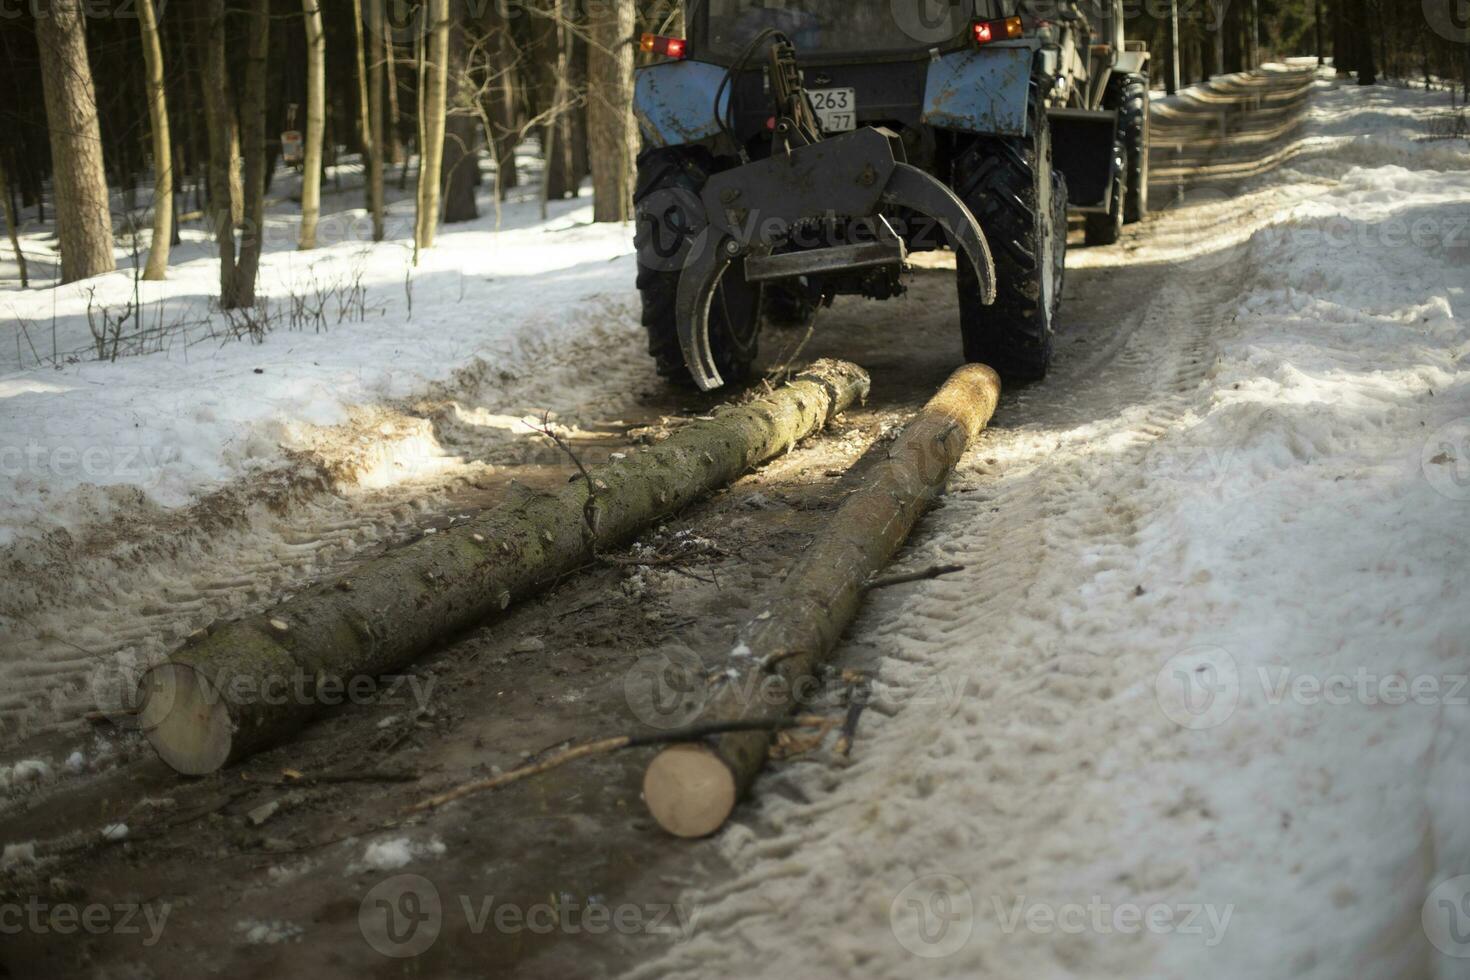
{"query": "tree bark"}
(374, 131)
(461, 136)
(691, 789)
(613, 132)
(83, 212)
(219, 699)
(501, 63)
(216, 113)
(316, 121)
(163, 159)
(393, 145)
(252, 139)
(434, 100)
(1363, 48)
(370, 104)
(1171, 79)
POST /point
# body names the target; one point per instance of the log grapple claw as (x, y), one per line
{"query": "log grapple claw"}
(754, 209)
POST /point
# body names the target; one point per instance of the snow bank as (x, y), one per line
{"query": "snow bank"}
(77, 439)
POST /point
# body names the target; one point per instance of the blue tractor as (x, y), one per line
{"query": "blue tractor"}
(797, 150)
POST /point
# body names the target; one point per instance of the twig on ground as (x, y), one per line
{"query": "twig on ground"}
(936, 571)
(589, 510)
(607, 746)
(859, 694)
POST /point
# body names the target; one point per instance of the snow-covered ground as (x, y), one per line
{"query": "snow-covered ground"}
(1215, 645)
(188, 408)
(1212, 648)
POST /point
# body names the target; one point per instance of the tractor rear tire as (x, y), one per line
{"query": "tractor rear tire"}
(669, 184)
(1007, 183)
(1132, 105)
(1106, 227)
(1059, 252)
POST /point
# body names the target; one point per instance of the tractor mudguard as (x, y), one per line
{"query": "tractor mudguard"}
(675, 102)
(985, 91)
(754, 208)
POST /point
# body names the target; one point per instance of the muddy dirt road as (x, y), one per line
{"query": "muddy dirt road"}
(262, 874)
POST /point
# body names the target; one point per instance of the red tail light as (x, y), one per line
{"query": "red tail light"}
(997, 30)
(669, 47)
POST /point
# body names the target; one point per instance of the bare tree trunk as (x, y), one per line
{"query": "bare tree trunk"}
(221, 150)
(461, 137)
(502, 58)
(612, 130)
(1171, 79)
(370, 71)
(434, 100)
(392, 146)
(252, 138)
(10, 226)
(316, 113)
(163, 160)
(1322, 53)
(1218, 6)
(83, 214)
(1363, 62)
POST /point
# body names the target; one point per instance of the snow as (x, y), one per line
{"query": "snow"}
(16, 856)
(268, 932)
(204, 409)
(1218, 721)
(30, 772)
(397, 852)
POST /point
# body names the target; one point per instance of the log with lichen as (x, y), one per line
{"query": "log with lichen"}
(246, 684)
(692, 788)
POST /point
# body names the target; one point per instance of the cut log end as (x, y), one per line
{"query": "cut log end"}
(185, 719)
(689, 790)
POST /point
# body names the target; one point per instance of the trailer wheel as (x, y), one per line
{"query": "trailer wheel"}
(1105, 228)
(669, 185)
(1007, 184)
(1132, 105)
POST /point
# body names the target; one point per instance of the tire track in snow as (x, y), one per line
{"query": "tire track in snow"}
(1007, 761)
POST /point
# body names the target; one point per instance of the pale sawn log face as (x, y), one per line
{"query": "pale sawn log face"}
(389, 611)
(822, 595)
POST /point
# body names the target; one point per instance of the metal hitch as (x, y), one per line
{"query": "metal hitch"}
(753, 209)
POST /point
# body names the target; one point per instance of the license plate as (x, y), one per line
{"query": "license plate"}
(836, 108)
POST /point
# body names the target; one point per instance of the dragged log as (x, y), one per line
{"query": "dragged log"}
(245, 684)
(692, 788)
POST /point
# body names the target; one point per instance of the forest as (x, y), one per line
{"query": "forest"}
(435, 97)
